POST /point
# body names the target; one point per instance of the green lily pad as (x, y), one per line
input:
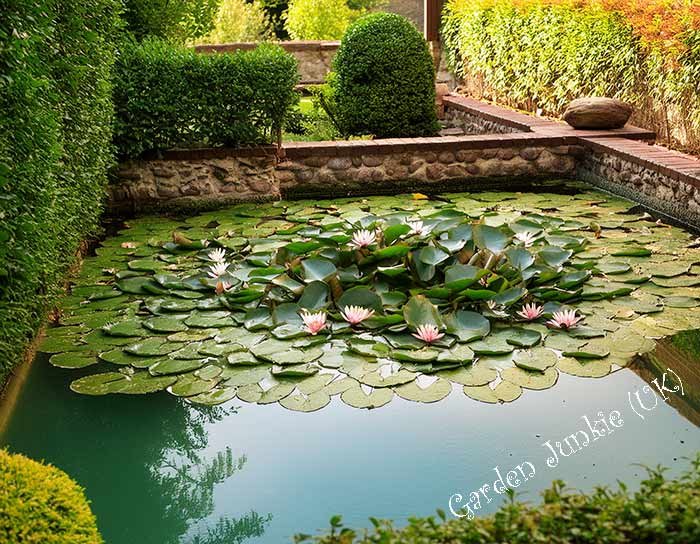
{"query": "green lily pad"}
(531, 379)
(467, 326)
(588, 368)
(434, 392)
(357, 398)
(538, 359)
(73, 359)
(503, 392)
(215, 396)
(306, 403)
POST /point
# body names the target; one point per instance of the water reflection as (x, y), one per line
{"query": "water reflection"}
(148, 452)
(680, 354)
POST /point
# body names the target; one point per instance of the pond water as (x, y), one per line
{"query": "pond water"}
(292, 471)
(164, 470)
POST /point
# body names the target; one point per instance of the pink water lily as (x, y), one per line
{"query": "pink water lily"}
(218, 269)
(313, 322)
(565, 319)
(217, 255)
(530, 312)
(363, 238)
(428, 333)
(356, 314)
(222, 287)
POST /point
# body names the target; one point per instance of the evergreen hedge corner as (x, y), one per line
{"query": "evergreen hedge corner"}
(40, 504)
(384, 79)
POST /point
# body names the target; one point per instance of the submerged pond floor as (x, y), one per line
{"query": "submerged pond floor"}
(218, 451)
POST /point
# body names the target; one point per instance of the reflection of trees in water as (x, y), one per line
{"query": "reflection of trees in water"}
(190, 487)
(140, 459)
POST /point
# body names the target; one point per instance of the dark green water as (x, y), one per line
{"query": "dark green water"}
(150, 464)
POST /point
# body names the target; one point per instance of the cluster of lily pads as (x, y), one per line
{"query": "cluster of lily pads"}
(295, 302)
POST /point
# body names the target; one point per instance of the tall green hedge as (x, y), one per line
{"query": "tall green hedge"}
(383, 80)
(40, 504)
(55, 148)
(171, 97)
(661, 511)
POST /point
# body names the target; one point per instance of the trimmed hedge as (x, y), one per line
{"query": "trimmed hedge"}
(168, 97)
(541, 54)
(55, 148)
(660, 511)
(40, 504)
(383, 80)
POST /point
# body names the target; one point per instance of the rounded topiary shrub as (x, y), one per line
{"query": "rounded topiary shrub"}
(40, 504)
(384, 80)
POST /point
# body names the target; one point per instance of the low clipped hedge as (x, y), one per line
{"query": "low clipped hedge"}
(661, 511)
(167, 97)
(40, 504)
(383, 80)
(55, 149)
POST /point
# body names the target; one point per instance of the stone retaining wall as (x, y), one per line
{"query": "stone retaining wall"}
(184, 179)
(474, 124)
(523, 149)
(629, 170)
(348, 170)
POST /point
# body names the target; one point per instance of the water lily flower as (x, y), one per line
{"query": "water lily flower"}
(526, 238)
(222, 287)
(356, 314)
(217, 255)
(363, 238)
(428, 333)
(417, 228)
(565, 319)
(497, 309)
(314, 322)
(218, 269)
(531, 311)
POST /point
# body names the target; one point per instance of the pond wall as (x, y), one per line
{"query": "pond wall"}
(502, 148)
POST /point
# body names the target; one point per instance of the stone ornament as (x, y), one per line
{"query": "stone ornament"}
(597, 113)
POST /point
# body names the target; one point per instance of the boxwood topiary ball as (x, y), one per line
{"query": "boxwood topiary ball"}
(384, 79)
(41, 504)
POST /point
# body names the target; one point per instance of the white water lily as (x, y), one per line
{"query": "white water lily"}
(218, 269)
(417, 228)
(497, 309)
(217, 255)
(356, 314)
(526, 238)
(363, 238)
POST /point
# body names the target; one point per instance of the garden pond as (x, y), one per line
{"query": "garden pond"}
(243, 375)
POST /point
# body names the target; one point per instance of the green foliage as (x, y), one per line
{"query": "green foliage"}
(55, 147)
(318, 19)
(541, 56)
(167, 96)
(238, 21)
(661, 510)
(275, 10)
(175, 20)
(40, 504)
(384, 79)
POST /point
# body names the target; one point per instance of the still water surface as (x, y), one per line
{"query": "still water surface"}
(159, 471)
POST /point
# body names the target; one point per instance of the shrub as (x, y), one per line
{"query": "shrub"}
(541, 54)
(238, 21)
(318, 19)
(55, 148)
(167, 97)
(174, 20)
(661, 511)
(40, 504)
(384, 80)
(275, 10)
